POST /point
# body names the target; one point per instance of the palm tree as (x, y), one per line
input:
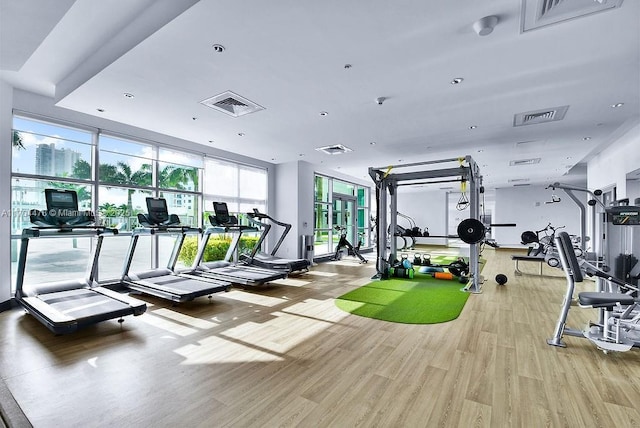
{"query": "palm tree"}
(122, 174)
(17, 141)
(81, 169)
(175, 177)
(123, 210)
(108, 210)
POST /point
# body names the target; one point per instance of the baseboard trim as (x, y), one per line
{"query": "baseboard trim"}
(5, 306)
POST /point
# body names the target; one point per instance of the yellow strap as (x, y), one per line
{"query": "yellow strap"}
(463, 186)
(386, 173)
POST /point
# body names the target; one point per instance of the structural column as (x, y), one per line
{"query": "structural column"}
(6, 124)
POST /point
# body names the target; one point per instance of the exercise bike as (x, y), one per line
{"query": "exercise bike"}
(344, 242)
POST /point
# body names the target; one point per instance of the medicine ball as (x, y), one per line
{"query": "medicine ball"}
(501, 279)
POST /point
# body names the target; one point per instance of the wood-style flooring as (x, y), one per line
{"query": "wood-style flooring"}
(284, 355)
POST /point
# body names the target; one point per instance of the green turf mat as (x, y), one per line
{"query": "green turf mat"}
(421, 300)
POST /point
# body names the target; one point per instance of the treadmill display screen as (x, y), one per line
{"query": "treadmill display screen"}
(62, 198)
(156, 203)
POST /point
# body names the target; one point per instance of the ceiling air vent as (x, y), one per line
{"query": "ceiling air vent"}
(540, 116)
(518, 180)
(232, 104)
(521, 185)
(336, 149)
(532, 161)
(540, 13)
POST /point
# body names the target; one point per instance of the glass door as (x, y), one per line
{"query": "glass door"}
(343, 216)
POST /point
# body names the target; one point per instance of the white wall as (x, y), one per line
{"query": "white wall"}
(526, 207)
(6, 102)
(286, 205)
(610, 167)
(306, 201)
(427, 207)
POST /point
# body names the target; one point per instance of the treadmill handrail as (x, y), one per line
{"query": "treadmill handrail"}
(263, 235)
(285, 232)
(66, 231)
(154, 230)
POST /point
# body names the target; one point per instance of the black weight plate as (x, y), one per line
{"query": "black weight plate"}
(471, 231)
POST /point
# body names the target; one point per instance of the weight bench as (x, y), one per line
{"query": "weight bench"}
(519, 259)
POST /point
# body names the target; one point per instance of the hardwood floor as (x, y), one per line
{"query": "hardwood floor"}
(284, 355)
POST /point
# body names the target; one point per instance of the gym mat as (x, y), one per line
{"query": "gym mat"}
(421, 300)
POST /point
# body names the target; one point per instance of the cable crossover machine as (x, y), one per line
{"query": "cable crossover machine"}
(387, 180)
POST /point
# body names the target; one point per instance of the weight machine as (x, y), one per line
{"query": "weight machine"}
(387, 182)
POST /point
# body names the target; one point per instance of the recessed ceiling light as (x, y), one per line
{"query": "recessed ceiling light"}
(241, 134)
(348, 66)
(194, 118)
(128, 95)
(457, 80)
(373, 143)
(273, 158)
(586, 138)
(218, 48)
(301, 154)
(616, 105)
(399, 160)
(473, 126)
(480, 151)
(101, 110)
(211, 141)
(324, 113)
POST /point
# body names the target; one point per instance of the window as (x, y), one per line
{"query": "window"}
(242, 187)
(125, 162)
(52, 155)
(44, 149)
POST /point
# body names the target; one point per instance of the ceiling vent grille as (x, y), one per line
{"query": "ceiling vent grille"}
(521, 185)
(540, 13)
(336, 149)
(232, 104)
(532, 161)
(540, 116)
(518, 180)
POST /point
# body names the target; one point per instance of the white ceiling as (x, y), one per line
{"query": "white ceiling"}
(290, 57)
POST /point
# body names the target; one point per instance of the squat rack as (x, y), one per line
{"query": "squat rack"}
(387, 182)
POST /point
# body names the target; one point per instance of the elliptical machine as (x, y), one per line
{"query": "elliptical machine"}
(344, 242)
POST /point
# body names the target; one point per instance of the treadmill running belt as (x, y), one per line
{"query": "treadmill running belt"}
(82, 303)
(246, 273)
(178, 285)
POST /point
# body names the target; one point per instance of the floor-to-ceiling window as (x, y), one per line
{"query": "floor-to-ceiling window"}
(113, 175)
(340, 206)
(243, 188)
(47, 155)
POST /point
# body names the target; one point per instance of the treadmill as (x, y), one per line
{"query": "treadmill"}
(166, 283)
(270, 260)
(237, 273)
(68, 305)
